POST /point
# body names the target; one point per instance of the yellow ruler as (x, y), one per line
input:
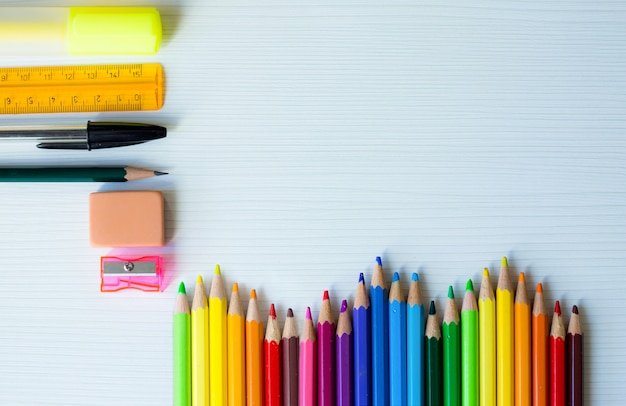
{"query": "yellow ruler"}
(69, 89)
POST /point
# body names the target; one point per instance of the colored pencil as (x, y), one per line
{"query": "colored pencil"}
(236, 350)
(344, 357)
(469, 348)
(380, 338)
(505, 337)
(575, 381)
(487, 342)
(76, 174)
(397, 343)
(415, 343)
(182, 349)
(199, 346)
(451, 353)
(540, 351)
(218, 341)
(557, 358)
(326, 354)
(254, 353)
(289, 356)
(523, 391)
(361, 316)
(273, 363)
(308, 363)
(432, 349)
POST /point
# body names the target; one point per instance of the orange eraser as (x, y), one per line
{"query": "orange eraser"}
(126, 219)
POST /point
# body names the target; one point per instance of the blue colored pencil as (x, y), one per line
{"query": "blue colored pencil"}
(361, 320)
(397, 343)
(416, 319)
(380, 336)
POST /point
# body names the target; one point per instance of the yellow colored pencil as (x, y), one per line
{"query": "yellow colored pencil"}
(218, 344)
(523, 389)
(487, 342)
(254, 353)
(199, 347)
(505, 337)
(236, 350)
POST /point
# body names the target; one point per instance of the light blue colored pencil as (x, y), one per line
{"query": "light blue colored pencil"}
(379, 302)
(397, 344)
(416, 319)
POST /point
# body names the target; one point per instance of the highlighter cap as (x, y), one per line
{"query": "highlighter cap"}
(113, 31)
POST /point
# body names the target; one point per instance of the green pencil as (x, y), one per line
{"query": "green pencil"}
(451, 353)
(469, 347)
(182, 349)
(434, 386)
(76, 174)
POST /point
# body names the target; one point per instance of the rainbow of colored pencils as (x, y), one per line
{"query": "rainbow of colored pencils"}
(384, 351)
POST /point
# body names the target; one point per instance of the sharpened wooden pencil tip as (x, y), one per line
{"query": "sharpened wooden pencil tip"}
(199, 280)
(218, 271)
(522, 277)
(344, 305)
(505, 263)
(539, 288)
(235, 287)
(181, 288)
(272, 311)
(432, 307)
(485, 273)
(450, 292)
(415, 277)
(379, 261)
(289, 312)
(361, 277)
(557, 308)
(469, 285)
(396, 277)
(575, 309)
(308, 314)
(325, 297)
(159, 173)
(253, 294)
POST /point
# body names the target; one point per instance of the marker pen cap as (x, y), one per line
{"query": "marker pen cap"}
(79, 30)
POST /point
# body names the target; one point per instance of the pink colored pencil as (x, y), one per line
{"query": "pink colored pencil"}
(326, 354)
(308, 363)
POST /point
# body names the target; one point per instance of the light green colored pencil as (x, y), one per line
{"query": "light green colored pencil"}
(469, 347)
(182, 349)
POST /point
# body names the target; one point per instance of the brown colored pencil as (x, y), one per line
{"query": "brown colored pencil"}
(575, 372)
(290, 361)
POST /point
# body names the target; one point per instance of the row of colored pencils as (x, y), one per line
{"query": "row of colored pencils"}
(388, 353)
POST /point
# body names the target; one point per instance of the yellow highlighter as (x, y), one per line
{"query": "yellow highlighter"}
(79, 30)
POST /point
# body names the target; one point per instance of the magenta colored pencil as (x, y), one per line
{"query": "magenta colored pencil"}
(343, 345)
(326, 354)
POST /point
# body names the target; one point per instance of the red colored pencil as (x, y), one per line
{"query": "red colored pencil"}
(326, 354)
(271, 345)
(575, 380)
(557, 358)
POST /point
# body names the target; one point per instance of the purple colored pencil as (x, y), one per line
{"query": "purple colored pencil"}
(326, 354)
(343, 346)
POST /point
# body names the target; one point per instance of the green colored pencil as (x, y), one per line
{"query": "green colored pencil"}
(182, 349)
(76, 174)
(469, 347)
(434, 378)
(451, 353)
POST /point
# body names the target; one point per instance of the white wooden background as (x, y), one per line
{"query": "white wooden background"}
(308, 137)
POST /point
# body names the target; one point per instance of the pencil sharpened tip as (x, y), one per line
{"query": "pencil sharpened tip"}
(575, 309)
(235, 287)
(181, 288)
(218, 270)
(396, 277)
(272, 311)
(557, 308)
(539, 288)
(522, 277)
(432, 309)
(415, 277)
(361, 278)
(485, 273)
(308, 314)
(290, 312)
(199, 280)
(253, 294)
(344, 306)
(379, 261)
(469, 285)
(505, 263)
(450, 292)
(326, 296)
(159, 173)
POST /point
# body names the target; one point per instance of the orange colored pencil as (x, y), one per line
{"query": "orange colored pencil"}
(540, 350)
(254, 353)
(273, 383)
(236, 350)
(557, 358)
(522, 355)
